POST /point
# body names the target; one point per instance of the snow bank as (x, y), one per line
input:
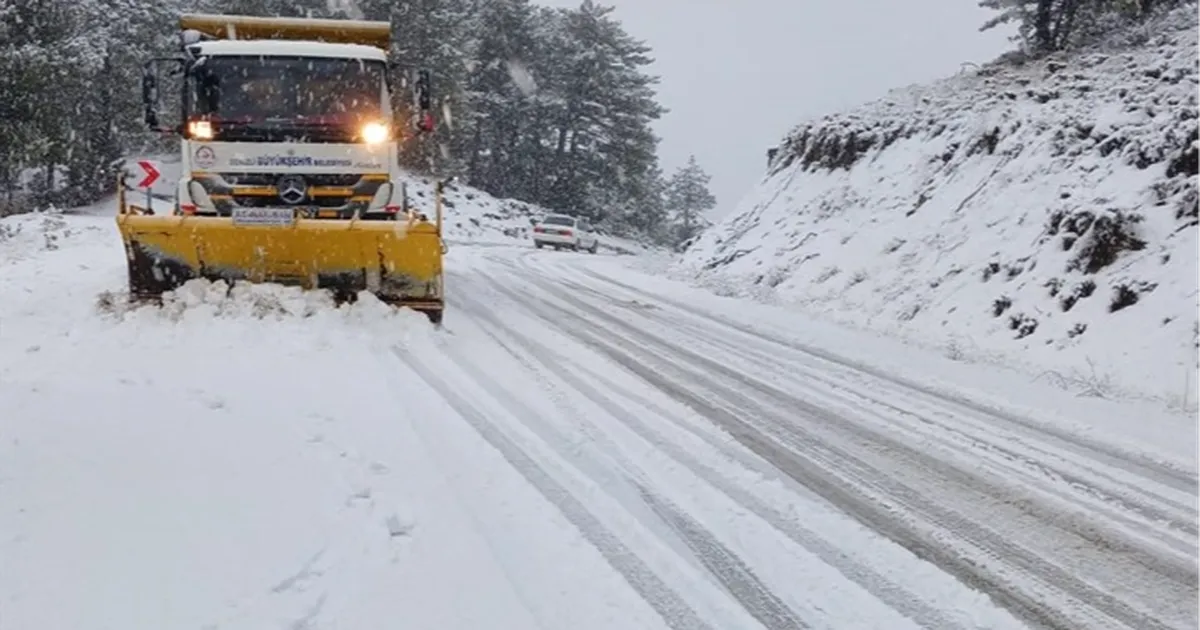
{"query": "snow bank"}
(26, 235)
(473, 216)
(1043, 214)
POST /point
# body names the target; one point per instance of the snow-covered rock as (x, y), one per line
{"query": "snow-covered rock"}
(1040, 212)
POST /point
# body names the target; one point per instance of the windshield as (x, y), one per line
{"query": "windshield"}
(290, 90)
(559, 220)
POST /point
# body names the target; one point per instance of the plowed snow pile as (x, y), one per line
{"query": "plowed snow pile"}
(1043, 214)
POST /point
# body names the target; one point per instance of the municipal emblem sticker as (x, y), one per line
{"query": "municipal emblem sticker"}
(204, 157)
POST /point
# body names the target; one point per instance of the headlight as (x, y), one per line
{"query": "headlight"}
(200, 130)
(374, 133)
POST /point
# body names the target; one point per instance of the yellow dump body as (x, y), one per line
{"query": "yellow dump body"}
(376, 34)
(399, 261)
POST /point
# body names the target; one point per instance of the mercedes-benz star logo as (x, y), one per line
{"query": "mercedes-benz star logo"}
(292, 189)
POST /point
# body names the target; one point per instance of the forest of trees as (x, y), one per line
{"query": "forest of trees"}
(549, 106)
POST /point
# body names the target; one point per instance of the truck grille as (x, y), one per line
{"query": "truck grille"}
(314, 179)
(273, 201)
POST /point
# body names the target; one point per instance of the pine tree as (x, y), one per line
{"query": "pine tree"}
(1045, 26)
(504, 42)
(434, 35)
(608, 106)
(24, 64)
(51, 64)
(688, 199)
(69, 72)
(269, 8)
(643, 208)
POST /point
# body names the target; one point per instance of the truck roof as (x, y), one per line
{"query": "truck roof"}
(287, 48)
(246, 27)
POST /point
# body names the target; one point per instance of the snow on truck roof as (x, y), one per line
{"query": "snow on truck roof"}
(374, 33)
(288, 48)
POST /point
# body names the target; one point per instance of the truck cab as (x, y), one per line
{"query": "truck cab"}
(280, 116)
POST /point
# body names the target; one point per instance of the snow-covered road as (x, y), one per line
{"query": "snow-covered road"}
(581, 446)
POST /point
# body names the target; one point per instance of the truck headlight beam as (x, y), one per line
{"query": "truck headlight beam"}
(200, 130)
(374, 133)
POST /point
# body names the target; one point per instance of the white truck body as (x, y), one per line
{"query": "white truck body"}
(214, 169)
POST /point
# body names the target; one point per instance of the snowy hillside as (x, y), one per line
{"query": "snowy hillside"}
(1041, 213)
(471, 215)
(474, 216)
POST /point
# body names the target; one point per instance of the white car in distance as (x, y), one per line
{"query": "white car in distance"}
(564, 231)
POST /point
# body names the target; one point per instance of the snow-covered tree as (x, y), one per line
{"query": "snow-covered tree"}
(69, 73)
(605, 106)
(434, 35)
(687, 199)
(1044, 26)
(497, 96)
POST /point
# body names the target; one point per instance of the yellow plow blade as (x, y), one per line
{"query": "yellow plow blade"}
(400, 261)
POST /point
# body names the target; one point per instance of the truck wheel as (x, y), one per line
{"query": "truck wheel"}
(435, 316)
(594, 247)
(538, 244)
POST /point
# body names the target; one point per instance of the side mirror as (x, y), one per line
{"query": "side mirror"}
(424, 95)
(151, 98)
(424, 91)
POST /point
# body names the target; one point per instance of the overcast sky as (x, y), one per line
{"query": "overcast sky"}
(738, 74)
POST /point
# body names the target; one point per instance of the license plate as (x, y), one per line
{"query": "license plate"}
(264, 216)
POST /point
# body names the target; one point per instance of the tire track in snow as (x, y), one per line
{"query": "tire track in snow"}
(737, 577)
(888, 592)
(1131, 461)
(1098, 490)
(819, 462)
(1170, 579)
(675, 612)
(1153, 523)
(1154, 508)
(731, 571)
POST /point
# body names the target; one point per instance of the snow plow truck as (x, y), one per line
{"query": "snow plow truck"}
(289, 164)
